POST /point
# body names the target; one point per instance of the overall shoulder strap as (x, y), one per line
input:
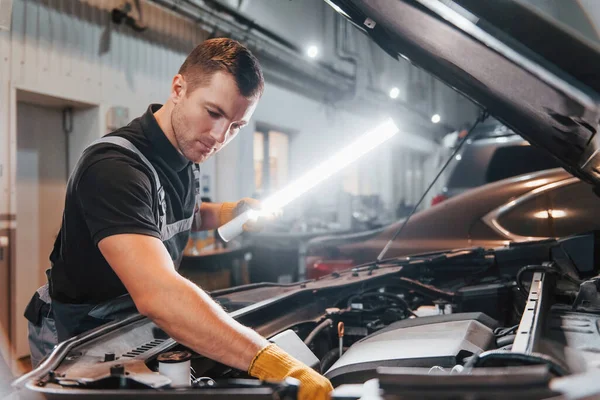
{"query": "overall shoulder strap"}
(126, 144)
(198, 195)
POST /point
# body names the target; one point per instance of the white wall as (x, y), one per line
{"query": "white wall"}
(86, 129)
(318, 130)
(71, 50)
(55, 49)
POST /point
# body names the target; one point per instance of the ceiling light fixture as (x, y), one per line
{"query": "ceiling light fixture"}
(312, 51)
(436, 118)
(394, 92)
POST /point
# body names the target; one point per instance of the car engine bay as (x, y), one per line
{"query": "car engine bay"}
(509, 321)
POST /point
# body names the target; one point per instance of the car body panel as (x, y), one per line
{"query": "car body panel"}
(491, 219)
(455, 223)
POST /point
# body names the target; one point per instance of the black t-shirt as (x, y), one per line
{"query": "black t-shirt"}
(113, 192)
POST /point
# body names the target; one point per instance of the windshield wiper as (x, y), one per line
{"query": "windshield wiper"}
(482, 117)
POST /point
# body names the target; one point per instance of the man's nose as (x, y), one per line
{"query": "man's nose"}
(220, 131)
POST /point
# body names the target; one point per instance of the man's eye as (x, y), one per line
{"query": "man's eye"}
(213, 114)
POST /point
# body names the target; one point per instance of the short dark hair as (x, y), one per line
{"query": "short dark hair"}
(223, 54)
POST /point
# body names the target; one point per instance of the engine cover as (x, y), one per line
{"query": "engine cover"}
(442, 340)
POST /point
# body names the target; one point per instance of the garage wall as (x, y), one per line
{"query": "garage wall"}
(317, 131)
(86, 128)
(70, 49)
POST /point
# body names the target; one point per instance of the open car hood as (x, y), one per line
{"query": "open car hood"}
(534, 75)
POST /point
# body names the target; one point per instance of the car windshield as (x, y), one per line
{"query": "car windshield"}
(489, 160)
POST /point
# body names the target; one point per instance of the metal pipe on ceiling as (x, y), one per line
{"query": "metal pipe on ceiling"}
(251, 24)
(313, 79)
(263, 44)
(342, 53)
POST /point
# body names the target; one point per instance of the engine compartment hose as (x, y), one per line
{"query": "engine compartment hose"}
(520, 358)
(313, 334)
(505, 340)
(389, 296)
(548, 268)
(330, 358)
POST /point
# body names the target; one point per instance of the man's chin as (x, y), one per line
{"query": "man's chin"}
(198, 158)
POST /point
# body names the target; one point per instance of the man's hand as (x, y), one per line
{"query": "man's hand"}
(231, 210)
(272, 363)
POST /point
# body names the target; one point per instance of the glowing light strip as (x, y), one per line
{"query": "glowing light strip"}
(327, 168)
(312, 178)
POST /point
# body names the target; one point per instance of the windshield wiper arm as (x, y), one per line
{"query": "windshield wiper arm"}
(482, 117)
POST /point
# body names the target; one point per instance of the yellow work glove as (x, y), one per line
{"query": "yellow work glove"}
(274, 364)
(229, 211)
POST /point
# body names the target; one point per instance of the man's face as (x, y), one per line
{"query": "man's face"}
(206, 119)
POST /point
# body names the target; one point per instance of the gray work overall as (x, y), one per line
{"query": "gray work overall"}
(47, 318)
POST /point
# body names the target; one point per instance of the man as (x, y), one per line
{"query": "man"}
(129, 205)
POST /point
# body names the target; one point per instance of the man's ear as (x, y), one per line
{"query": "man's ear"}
(178, 88)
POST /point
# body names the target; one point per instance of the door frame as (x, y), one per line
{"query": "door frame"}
(19, 92)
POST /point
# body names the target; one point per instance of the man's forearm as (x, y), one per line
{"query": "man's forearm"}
(193, 319)
(209, 212)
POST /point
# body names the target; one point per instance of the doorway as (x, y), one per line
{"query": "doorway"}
(51, 133)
